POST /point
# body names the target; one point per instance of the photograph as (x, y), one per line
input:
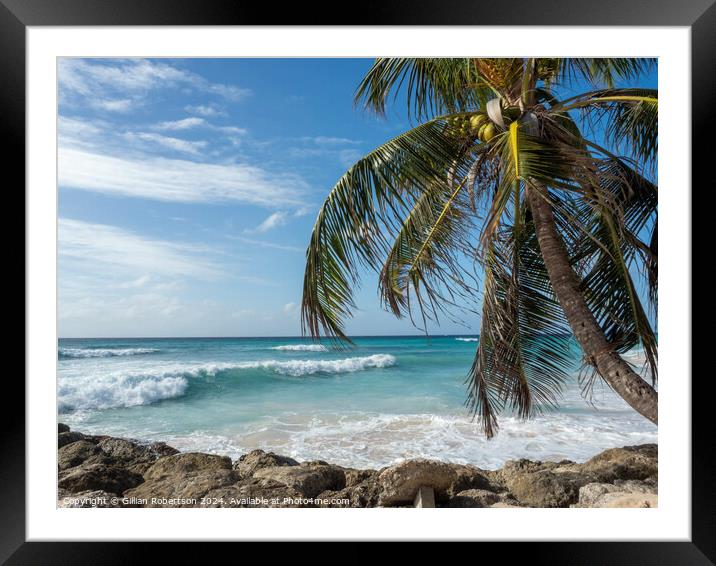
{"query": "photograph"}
(352, 282)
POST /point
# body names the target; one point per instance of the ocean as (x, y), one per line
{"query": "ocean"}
(387, 399)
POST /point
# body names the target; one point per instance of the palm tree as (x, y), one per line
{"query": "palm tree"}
(554, 198)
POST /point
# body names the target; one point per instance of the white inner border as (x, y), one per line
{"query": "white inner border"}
(670, 521)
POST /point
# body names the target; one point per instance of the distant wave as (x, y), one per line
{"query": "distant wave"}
(103, 352)
(302, 348)
(149, 385)
(468, 339)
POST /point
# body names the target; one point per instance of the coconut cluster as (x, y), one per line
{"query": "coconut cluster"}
(480, 126)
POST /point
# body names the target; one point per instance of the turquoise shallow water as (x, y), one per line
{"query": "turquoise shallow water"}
(387, 399)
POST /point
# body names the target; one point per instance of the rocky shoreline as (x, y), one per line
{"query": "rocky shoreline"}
(104, 471)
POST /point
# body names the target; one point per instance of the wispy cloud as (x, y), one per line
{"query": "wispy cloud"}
(163, 179)
(329, 141)
(133, 79)
(272, 221)
(184, 124)
(194, 122)
(121, 105)
(126, 254)
(175, 144)
(206, 110)
(264, 244)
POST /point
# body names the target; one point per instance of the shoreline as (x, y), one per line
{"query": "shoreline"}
(107, 471)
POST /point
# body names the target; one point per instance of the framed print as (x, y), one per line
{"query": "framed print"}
(290, 280)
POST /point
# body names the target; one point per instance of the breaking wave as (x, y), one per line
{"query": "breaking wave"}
(302, 348)
(151, 384)
(103, 352)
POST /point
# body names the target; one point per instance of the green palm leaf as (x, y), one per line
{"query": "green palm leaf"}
(366, 204)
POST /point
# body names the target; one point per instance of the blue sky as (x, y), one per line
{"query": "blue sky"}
(188, 189)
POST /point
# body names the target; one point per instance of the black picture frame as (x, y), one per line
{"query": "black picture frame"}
(698, 15)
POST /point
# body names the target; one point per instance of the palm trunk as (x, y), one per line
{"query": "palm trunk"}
(566, 284)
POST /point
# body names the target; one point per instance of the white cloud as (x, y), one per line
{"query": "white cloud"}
(176, 144)
(290, 308)
(263, 244)
(177, 180)
(272, 221)
(120, 105)
(194, 122)
(112, 251)
(185, 124)
(348, 157)
(329, 141)
(92, 80)
(206, 110)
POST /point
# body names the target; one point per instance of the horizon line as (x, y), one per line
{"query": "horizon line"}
(259, 337)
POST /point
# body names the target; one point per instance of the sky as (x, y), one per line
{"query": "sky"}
(188, 189)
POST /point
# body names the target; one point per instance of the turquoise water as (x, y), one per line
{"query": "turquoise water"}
(387, 399)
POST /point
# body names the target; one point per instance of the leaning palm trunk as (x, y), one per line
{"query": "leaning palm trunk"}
(565, 282)
(494, 135)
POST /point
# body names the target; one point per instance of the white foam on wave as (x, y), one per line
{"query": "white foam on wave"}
(104, 352)
(151, 383)
(467, 339)
(117, 390)
(301, 348)
(364, 440)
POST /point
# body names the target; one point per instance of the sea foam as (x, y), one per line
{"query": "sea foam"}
(302, 348)
(103, 352)
(149, 384)
(467, 339)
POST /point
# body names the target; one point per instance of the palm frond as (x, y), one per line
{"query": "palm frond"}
(431, 86)
(523, 357)
(367, 203)
(430, 250)
(615, 215)
(605, 71)
(630, 117)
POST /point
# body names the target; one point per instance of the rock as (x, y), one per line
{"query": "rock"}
(181, 480)
(255, 492)
(76, 453)
(258, 459)
(309, 480)
(474, 498)
(470, 477)
(400, 483)
(627, 463)
(132, 455)
(185, 489)
(62, 428)
(593, 494)
(558, 484)
(186, 463)
(95, 499)
(545, 488)
(504, 505)
(621, 500)
(91, 477)
(364, 494)
(65, 438)
(355, 477)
